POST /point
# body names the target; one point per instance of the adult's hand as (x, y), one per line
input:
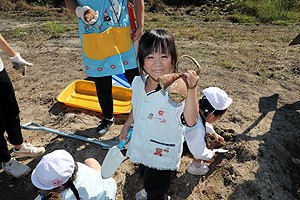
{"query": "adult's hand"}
(138, 34)
(19, 63)
(88, 15)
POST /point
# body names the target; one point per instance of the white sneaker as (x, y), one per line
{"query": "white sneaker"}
(192, 169)
(141, 195)
(16, 169)
(28, 150)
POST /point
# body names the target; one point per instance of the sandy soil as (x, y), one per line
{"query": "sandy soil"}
(261, 127)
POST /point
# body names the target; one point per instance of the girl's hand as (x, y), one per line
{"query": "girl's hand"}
(214, 153)
(191, 79)
(219, 139)
(123, 134)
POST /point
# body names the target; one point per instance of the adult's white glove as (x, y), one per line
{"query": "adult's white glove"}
(80, 11)
(19, 63)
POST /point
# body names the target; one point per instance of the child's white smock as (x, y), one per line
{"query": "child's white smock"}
(195, 139)
(158, 134)
(91, 185)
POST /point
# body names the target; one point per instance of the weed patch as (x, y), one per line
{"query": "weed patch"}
(268, 10)
(56, 28)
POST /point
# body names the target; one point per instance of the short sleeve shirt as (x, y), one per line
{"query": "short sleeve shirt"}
(195, 139)
(91, 185)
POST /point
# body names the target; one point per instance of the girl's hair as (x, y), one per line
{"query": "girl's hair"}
(156, 40)
(206, 107)
(70, 184)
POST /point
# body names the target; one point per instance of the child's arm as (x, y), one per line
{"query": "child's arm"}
(210, 129)
(191, 108)
(139, 13)
(126, 127)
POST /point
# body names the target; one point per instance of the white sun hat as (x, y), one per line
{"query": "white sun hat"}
(217, 98)
(53, 170)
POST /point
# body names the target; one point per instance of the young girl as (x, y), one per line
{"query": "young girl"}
(58, 172)
(211, 108)
(159, 122)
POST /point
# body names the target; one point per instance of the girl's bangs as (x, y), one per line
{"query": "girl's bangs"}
(158, 46)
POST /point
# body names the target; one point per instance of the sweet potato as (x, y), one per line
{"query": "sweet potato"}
(178, 90)
(167, 79)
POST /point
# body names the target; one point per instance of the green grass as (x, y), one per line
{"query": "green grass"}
(36, 33)
(267, 11)
(227, 63)
(241, 18)
(56, 28)
(212, 18)
(18, 32)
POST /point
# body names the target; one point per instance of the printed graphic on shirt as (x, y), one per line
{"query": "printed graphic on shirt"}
(158, 152)
(159, 116)
(161, 151)
(116, 10)
(88, 29)
(106, 16)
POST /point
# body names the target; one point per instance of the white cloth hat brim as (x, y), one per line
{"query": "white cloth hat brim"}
(38, 184)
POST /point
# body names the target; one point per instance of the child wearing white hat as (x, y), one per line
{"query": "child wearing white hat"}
(58, 172)
(211, 108)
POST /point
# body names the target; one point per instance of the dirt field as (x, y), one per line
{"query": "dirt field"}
(252, 63)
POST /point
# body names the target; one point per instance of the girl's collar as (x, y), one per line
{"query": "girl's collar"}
(158, 88)
(152, 89)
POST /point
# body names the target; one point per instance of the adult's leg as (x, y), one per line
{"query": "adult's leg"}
(130, 74)
(10, 109)
(156, 183)
(9, 117)
(104, 92)
(14, 132)
(4, 153)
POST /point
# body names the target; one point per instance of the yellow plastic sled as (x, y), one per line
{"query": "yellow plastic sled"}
(82, 94)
